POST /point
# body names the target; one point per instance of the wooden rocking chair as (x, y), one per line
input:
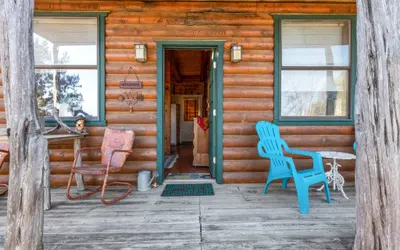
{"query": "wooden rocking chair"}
(116, 147)
(3, 155)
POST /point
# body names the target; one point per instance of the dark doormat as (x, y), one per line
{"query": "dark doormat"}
(188, 189)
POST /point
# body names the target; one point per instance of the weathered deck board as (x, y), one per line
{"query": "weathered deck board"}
(237, 217)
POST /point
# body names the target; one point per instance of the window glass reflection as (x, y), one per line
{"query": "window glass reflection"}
(77, 92)
(314, 93)
(315, 42)
(65, 41)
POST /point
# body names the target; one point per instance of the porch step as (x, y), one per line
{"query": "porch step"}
(175, 178)
(189, 178)
(185, 181)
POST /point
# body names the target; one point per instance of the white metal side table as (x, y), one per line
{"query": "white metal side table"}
(333, 175)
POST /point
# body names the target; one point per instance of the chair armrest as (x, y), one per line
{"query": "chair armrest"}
(4, 151)
(316, 157)
(128, 152)
(304, 153)
(86, 149)
(299, 152)
(80, 151)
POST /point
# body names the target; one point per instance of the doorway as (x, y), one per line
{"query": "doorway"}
(187, 78)
(189, 97)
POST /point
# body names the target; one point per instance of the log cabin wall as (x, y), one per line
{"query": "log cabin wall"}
(248, 85)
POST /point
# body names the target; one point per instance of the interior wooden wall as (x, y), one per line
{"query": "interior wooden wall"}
(248, 85)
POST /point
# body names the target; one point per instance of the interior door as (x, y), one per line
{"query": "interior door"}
(191, 108)
(213, 114)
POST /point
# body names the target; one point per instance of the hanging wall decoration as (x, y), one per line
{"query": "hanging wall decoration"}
(131, 98)
(130, 84)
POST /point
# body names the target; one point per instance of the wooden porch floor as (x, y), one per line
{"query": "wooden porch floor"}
(237, 217)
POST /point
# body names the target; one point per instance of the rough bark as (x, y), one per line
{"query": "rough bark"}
(27, 146)
(378, 125)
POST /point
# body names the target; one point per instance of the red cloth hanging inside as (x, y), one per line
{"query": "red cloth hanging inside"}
(203, 123)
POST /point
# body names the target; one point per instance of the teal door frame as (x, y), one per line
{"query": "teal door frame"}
(161, 46)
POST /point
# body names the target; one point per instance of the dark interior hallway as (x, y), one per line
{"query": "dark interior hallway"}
(184, 164)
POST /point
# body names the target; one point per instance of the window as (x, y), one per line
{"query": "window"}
(69, 52)
(191, 109)
(314, 70)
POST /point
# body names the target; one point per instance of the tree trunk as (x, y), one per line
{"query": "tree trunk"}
(378, 125)
(27, 146)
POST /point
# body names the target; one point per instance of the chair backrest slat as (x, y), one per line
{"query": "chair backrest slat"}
(271, 141)
(270, 137)
(116, 139)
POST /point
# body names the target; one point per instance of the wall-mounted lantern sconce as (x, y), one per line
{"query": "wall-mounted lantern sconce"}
(236, 53)
(141, 52)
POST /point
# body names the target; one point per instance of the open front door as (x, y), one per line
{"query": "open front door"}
(213, 114)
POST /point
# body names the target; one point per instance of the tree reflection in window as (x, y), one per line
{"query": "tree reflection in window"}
(69, 92)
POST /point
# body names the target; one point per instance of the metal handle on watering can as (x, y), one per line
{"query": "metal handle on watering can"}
(155, 174)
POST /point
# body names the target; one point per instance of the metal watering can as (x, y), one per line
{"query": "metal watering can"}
(144, 181)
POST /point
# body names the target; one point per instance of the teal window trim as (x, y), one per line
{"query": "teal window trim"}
(188, 44)
(101, 64)
(310, 121)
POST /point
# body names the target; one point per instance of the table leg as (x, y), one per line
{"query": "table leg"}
(345, 196)
(334, 176)
(46, 182)
(339, 181)
(335, 171)
(80, 186)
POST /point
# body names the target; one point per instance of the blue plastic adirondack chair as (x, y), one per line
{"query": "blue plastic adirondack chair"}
(282, 167)
(354, 146)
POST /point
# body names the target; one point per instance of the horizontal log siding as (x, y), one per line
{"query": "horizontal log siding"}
(248, 85)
